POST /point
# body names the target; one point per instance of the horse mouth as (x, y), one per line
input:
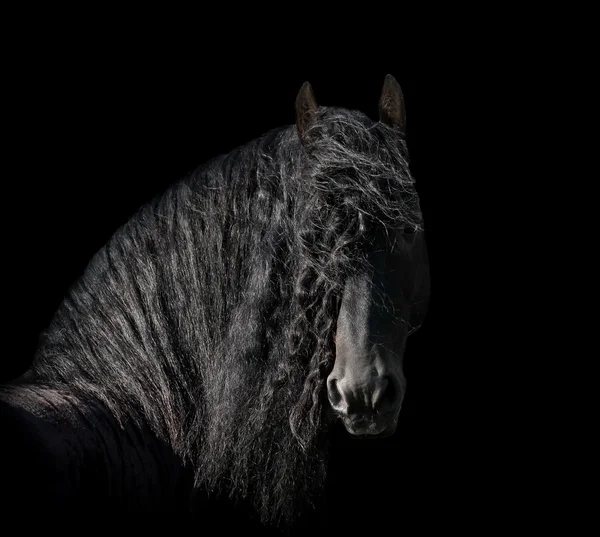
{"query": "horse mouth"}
(370, 427)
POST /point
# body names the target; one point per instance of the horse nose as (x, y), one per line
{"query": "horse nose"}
(372, 393)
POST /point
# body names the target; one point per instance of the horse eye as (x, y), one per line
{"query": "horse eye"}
(410, 230)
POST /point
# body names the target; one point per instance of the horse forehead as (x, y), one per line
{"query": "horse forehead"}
(392, 268)
(393, 253)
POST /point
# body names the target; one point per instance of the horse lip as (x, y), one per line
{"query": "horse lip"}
(370, 426)
(386, 433)
(367, 418)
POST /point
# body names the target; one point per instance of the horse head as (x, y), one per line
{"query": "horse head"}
(381, 304)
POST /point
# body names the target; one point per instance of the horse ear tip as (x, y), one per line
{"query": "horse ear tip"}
(306, 97)
(390, 81)
(306, 88)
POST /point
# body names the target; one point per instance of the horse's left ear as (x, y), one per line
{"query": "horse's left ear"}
(391, 104)
(306, 109)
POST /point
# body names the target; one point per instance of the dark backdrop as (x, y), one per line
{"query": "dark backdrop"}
(98, 126)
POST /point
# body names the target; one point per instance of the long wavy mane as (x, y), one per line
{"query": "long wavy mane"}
(210, 316)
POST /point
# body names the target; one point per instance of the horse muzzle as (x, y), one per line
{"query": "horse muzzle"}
(368, 408)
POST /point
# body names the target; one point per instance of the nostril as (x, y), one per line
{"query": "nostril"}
(333, 392)
(385, 395)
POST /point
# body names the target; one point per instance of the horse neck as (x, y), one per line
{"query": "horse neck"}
(71, 451)
(120, 334)
(95, 418)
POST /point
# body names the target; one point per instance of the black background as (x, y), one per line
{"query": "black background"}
(102, 119)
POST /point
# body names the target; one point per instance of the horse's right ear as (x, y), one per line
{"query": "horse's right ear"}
(306, 109)
(391, 104)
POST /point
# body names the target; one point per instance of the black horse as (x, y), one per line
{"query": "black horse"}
(212, 342)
